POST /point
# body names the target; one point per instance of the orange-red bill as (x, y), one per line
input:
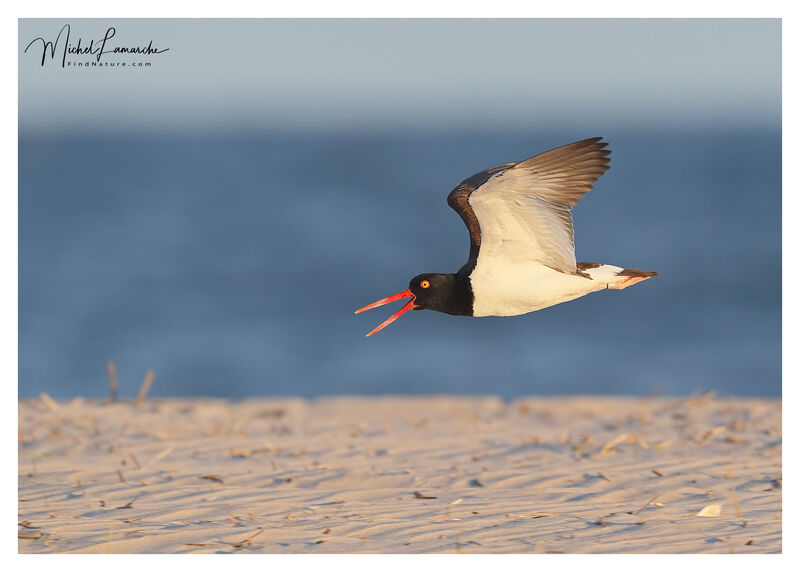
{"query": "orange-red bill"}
(388, 300)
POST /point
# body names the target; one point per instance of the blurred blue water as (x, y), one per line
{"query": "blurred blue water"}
(231, 265)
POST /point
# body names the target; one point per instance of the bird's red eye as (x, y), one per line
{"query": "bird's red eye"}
(425, 284)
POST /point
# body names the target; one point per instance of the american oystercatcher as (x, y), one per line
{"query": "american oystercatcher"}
(522, 249)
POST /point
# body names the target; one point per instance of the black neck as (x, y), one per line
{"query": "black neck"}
(460, 298)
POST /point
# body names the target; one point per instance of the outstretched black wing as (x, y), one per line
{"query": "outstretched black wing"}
(525, 206)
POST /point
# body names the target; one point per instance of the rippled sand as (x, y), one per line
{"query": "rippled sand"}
(401, 474)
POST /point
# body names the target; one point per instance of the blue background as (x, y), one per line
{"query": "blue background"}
(228, 255)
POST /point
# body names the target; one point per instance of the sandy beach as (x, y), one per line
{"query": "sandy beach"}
(401, 475)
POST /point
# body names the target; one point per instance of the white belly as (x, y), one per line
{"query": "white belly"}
(510, 288)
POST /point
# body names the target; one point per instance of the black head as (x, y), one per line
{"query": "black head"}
(432, 291)
(440, 292)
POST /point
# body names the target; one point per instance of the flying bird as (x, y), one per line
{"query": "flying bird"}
(522, 248)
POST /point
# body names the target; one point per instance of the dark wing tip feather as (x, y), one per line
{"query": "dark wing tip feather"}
(571, 170)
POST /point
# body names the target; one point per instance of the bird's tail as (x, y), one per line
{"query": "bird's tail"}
(614, 277)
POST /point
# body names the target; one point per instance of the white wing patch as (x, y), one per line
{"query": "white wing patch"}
(517, 225)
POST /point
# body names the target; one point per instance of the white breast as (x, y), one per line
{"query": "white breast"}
(504, 287)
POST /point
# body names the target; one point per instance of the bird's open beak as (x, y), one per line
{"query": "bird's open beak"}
(393, 317)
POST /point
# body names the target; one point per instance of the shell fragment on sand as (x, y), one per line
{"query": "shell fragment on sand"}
(711, 510)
